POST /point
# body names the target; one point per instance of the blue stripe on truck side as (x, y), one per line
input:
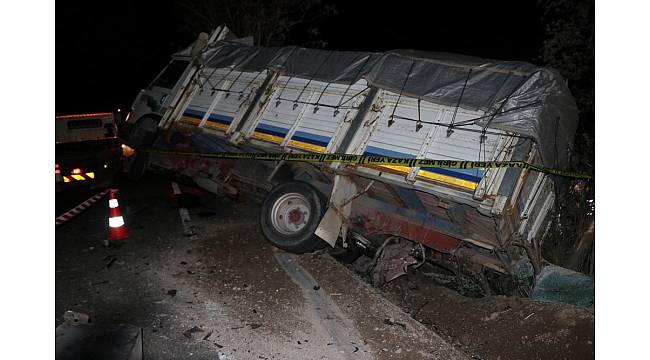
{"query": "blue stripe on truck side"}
(469, 175)
(271, 130)
(194, 114)
(223, 119)
(311, 138)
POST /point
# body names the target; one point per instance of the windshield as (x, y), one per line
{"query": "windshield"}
(172, 73)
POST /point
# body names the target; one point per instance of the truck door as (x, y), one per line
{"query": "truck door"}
(159, 95)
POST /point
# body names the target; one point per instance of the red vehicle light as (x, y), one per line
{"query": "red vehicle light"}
(83, 115)
(57, 171)
(76, 171)
(56, 166)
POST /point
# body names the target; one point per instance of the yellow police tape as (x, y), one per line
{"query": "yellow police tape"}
(376, 160)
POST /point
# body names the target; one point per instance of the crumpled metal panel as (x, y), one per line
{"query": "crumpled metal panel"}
(393, 261)
(477, 228)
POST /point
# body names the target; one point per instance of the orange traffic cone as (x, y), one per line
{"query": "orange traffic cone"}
(116, 228)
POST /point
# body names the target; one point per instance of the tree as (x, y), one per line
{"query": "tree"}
(569, 47)
(271, 23)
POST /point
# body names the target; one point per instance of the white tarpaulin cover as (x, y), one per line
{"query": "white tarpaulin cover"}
(517, 97)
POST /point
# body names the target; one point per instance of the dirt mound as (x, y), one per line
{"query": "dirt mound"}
(496, 327)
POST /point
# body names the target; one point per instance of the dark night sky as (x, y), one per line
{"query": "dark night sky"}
(107, 51)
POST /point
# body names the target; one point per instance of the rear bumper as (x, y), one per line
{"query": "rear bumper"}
(93, 178)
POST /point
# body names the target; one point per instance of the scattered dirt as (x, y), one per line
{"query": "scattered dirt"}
(195, 297)
(386, 328)
(495, 327)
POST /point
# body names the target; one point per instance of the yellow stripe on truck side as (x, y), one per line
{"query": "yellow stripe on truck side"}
(209, 124)
(190, 120)
(256, 135)
(216, 126)
(293, 143)
(306, 146)
(465, 184)
(266, 137)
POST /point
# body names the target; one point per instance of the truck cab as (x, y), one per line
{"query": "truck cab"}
(154, 105)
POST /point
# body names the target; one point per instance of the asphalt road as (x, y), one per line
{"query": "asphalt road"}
(243, 298)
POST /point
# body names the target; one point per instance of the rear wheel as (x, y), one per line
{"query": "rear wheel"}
(142, 136)
(144, 131)
(290, 214)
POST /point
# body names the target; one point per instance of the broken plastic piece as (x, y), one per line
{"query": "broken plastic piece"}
(75, 318)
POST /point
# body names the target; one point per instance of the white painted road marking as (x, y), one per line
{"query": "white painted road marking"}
(186, 221)
(323, 311)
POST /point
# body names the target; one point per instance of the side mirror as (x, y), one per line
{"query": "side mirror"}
(200, 43)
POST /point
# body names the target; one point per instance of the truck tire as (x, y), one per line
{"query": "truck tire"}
(290, 214)
(138, 165)
(144, 131)
(142, 136)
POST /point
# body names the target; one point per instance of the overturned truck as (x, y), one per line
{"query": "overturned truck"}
(222, 95)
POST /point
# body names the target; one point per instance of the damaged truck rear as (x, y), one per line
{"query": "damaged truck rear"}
(224, 95)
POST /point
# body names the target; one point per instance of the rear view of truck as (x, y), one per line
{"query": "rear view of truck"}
(88, 152)
(461, 212)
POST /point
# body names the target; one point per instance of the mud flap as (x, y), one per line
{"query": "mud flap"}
(335, 220)
(556, 284)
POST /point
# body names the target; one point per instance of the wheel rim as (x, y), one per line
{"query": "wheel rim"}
(290, 213)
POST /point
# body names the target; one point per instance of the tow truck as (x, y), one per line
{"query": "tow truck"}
(88, 151)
